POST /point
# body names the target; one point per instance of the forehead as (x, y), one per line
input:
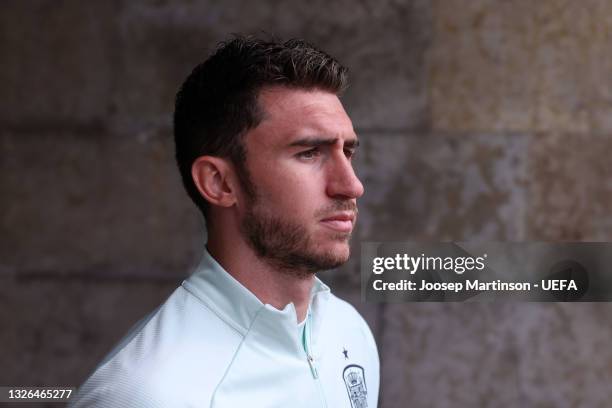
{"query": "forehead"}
(290, 114)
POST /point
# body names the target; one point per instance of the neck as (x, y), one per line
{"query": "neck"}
(271, 286)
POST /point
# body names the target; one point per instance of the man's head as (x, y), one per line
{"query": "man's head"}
(260, 132)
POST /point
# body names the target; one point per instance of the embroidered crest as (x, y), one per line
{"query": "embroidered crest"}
(354, 379)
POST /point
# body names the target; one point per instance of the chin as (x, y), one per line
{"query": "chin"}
(340, 252)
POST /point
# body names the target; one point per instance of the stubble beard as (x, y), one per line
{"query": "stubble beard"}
(287, 246)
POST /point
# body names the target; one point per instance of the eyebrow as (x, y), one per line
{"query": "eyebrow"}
(320, 141)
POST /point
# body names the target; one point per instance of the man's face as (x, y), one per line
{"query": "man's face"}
(299, 164)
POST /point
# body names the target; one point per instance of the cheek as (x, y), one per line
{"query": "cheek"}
(289, 185)
(295, 196)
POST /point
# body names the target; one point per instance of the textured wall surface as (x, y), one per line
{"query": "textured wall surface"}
(480, 120)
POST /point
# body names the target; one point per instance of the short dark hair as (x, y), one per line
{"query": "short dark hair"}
(217, 103)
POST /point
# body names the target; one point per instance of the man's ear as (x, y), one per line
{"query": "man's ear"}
(214, 179)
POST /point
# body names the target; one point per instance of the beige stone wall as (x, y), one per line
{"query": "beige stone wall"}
(487, 120)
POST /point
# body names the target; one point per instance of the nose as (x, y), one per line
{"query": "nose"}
(342, 180)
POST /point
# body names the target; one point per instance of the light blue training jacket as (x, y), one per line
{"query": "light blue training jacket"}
(214, 344)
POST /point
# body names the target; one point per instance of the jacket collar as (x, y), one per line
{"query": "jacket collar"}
(239, 307)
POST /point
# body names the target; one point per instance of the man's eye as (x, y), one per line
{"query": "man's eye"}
(349, 153)
(309, 154)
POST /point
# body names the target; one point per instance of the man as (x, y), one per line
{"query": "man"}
(264, 148)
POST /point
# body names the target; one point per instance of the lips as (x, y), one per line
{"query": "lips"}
(341, 222)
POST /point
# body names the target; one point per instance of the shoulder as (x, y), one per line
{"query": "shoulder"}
(112, 387)
(181, 347)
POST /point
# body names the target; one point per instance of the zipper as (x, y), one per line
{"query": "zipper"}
(313, 368)
(307, 339)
